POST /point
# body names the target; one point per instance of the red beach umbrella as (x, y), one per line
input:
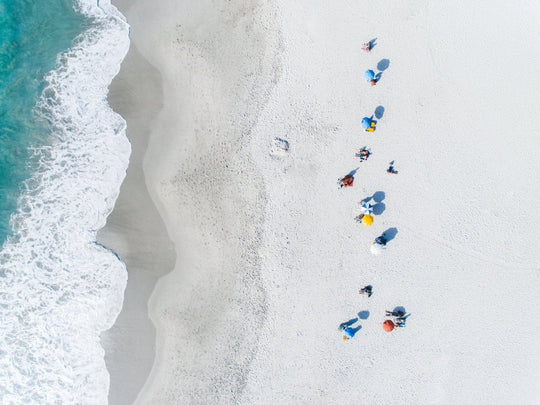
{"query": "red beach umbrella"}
(388, 325)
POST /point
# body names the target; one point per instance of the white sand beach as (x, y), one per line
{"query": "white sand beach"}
(246, 257)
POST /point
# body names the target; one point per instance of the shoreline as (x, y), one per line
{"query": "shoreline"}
(196, 162)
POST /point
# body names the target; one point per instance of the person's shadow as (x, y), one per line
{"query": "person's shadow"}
(348, 323)
(390, 234)
(353, 172)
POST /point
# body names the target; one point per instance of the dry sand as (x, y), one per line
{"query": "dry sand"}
(269, 259)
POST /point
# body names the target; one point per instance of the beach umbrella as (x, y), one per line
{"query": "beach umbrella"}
(369, 75)
(366, 123)
(367, 209)
(367, 220)
(388, 325)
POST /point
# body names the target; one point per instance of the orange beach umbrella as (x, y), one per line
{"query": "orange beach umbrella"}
(388, 325)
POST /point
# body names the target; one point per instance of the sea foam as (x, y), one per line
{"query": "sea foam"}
(59, 289)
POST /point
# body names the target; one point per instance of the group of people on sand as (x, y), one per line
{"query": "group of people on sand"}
(396, 318)
(399, 317)
(364, 153)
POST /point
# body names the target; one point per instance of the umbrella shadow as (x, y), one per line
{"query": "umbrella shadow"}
(379, 196)
(379, 208)
(379, 112)
(389, 234)
(363, 314)
(383, 64)
(400, 309)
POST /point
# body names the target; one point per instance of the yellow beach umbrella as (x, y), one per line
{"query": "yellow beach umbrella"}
(367, 220)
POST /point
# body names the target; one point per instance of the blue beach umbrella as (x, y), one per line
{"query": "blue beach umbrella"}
(366, 123)
(367, 209)
(369, 75)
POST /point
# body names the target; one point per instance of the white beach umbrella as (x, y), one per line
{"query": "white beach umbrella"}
(367, 209)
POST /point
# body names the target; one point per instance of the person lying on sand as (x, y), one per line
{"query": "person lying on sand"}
(349, 333)
(398, 314)
(346, 181)
(391, 169)
(366, 290)
(363, 154)
(380, 240)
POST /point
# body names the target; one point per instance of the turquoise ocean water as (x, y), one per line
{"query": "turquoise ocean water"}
(32, 34)
(63, 156)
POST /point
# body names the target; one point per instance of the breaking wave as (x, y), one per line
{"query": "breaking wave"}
(59, 289)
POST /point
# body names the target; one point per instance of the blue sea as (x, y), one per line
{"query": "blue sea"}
(31, 36)
(63, 156)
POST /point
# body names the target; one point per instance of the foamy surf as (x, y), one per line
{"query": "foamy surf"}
(60, 289)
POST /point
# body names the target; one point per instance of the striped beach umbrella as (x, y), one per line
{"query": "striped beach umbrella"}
(367, 209)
